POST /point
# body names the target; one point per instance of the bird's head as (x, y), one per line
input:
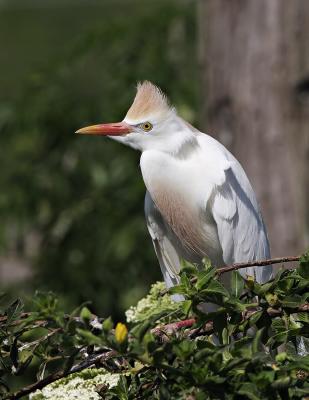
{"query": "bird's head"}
(150, 123)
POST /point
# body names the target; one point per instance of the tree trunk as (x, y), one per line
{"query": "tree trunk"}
(254, 58)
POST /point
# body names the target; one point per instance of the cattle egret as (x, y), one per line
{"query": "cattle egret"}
(199, 202)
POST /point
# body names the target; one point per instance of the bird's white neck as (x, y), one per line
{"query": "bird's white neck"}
(175, 137)
(179, 138)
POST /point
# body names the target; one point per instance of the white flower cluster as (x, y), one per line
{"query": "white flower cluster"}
(154, 301)
(81, 386)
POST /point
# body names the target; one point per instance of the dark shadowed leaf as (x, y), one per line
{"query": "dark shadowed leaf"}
(304, 266)
(14, 310)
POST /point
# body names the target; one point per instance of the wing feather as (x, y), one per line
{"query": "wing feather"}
(239, 222)
(166, 251)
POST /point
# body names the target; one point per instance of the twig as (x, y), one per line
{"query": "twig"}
(94, 359)
(61, 374)
(259, 263)
(277, 312)
(37, 342)
(23, 315)
(168, 329)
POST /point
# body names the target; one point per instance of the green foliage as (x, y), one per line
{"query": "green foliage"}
(228, 353)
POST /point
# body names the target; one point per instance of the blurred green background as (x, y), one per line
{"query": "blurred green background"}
(71, 207)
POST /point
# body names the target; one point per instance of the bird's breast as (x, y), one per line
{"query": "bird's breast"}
(174, 188)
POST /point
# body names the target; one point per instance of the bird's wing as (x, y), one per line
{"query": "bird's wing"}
(164, 244)
(240, 226)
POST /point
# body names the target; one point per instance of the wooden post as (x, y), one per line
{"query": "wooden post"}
(254, 60)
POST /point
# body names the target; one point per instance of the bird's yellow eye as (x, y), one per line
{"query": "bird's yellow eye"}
(146, 126)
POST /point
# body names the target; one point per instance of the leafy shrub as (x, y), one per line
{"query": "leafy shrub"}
(172, 350)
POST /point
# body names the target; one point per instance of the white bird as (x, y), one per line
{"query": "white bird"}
(199, 202)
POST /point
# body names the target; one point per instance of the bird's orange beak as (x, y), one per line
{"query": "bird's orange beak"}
(112, 129)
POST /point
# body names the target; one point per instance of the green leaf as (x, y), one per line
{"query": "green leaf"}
(237, 284)
(257, 344)
(140, 330)
(24, 365)
(292, 301)
(203, 354)
(121, 390)
(14, 310)
(277, 339)
(225, 336)
(178, 289)
(217, 380)
(302, 317)
(184, 349)
(281, 357)
(298, 393)
(188, 268)
(232, 364)
(299, 363)
(107, 324)
(303, 268)
(281, 383)
(234, 304)
(278, 325)
(215, 287)
(85, 314)
(204, 277)
(255, 317)
(249, 390)
(185, 281)
(88, 336)
(263, 378)
(186, 306)
(266, 287)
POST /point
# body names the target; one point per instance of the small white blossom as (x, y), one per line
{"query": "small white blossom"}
(96, 324)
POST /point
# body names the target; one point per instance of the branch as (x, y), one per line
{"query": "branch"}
(37, 342)
(163, 332)
(259, 263)
(3, 318)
